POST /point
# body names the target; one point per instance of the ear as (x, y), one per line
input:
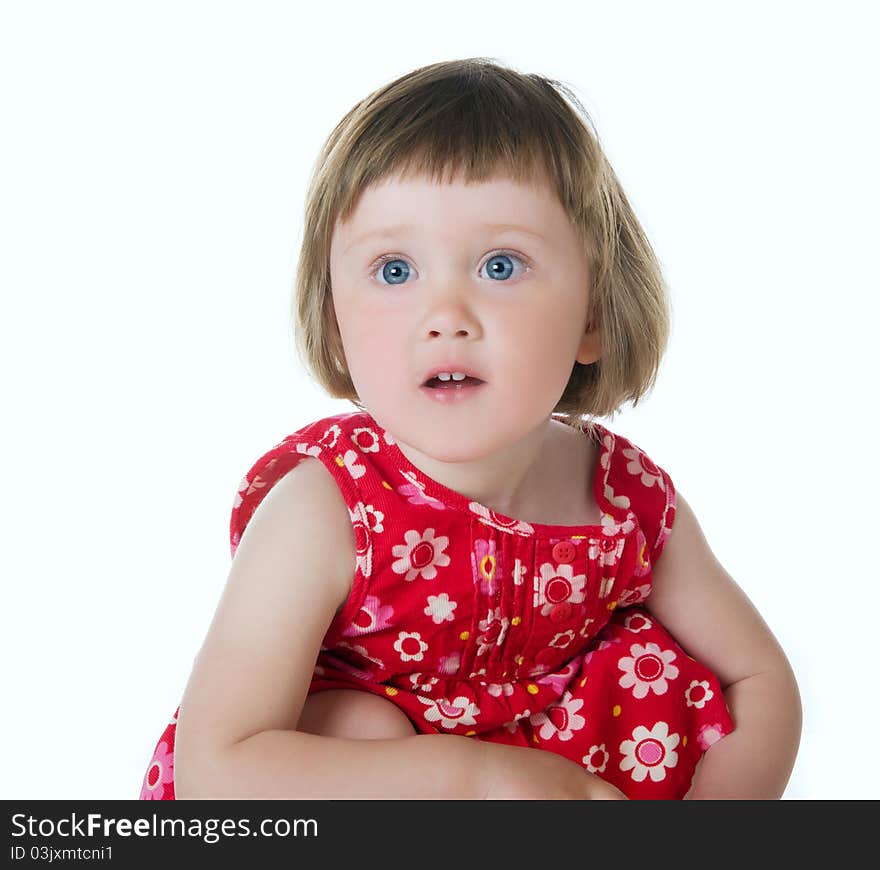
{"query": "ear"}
(590, 348)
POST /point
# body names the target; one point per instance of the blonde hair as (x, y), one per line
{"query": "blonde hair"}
(476, 119)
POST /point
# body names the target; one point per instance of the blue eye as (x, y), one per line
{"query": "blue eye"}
(498, 268)
(394, 270)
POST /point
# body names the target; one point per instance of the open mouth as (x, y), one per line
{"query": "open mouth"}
(437, 384)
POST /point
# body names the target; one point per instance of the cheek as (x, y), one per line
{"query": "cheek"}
(371, 343)
(539, 353)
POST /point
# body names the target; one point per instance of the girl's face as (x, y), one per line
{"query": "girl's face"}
(488, 278)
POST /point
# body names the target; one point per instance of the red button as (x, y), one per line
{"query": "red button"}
(561, 612)
(564, 551)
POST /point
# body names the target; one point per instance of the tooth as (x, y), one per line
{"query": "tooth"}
(444, 376)
(458, 376)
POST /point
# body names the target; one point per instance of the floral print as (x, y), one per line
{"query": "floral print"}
(506, 631)
(647, 668)
(650, 753)
(420, 555)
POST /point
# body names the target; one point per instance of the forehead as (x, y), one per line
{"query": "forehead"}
(400, 201)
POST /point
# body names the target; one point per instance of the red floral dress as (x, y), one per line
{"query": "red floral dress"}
(483, 625)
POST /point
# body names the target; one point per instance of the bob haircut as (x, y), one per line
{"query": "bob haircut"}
(477, 120)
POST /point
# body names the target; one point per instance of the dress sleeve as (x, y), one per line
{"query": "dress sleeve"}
(667, 516)
(637, 481)
(261, 477)
(329, 442)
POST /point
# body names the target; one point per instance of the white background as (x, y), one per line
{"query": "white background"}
(154, 165)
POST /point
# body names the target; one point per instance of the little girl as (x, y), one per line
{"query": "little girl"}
(467, 569)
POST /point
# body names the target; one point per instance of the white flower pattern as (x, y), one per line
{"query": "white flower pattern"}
(570, 663)
(647, 668)
(561, 719)
(649, 752)
(420, 555)
(460, 711)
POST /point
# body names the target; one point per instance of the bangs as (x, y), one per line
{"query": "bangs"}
(472, 127)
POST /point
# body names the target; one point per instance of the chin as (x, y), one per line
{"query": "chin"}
(453, 445)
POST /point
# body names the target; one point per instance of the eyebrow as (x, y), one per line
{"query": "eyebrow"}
(401, 229)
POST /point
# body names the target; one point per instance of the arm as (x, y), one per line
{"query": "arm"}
(236, 732)
(713, 620)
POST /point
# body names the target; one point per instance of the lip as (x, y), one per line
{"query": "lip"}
(450, 368)
(452, 395)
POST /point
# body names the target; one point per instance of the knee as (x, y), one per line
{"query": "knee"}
(353, 714)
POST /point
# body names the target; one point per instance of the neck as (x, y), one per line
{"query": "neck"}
(507, 481)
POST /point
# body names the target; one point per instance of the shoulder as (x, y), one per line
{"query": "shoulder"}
(306, 507)
(321, 441)
(634, 483)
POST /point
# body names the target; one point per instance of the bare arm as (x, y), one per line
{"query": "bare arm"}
(293, 765)
(236, 731)
(714, 621)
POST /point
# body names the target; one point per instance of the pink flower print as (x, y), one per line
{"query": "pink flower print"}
(559, 680)
(451, 714)
(643, 560)
(619, 501)
(366, 439)
(414, 492)
(245, 483)
(649, 753)
(647, 667)
(637, 622)
(410, 646)
(440, 608)
(585, 628)
(249, 488)
(502, 523)
(330, 437)
(667, 520)
(596, 759)
(494, 628)
(373, 616)
(560, 719)
(450, 664)
(562, 639)
(305, 449)
(556, 584)
(709, 735)
(697, 693)
(355, 468)
(374, 518)
(640, 466)
(420, 555)
(634, 596)
(606, 550)
(484, 565)
(422, 683)
(496, 690)
(363, 547)
(159, 775)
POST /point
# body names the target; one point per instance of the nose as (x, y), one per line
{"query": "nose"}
(450, 313)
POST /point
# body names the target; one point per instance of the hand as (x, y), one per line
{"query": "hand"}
(522, 773)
